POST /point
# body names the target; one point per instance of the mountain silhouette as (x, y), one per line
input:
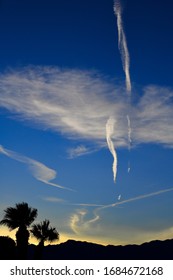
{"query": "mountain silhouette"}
(78, 250)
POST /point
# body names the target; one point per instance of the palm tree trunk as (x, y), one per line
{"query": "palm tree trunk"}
(22, 237)
(39, 250)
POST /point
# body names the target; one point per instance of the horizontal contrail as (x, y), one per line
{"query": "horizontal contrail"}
(39, 171)
(109, 133)
(88, 204)
(97, 210)
(138, 198)
(122, 43)
(78, 222)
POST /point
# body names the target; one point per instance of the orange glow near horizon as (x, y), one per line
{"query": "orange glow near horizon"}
(63, 237)
(5, 232)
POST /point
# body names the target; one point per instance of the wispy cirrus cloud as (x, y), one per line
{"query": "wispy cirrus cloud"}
(78, 104)
(72, 102)
(80, 150)
(76, 220)
(39, 171)
(53, 199)
(154, 113)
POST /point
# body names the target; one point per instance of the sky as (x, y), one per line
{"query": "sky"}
(86, 95)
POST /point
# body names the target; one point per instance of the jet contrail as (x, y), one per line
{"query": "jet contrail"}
(138, 198)
(129, 139)
(144, 196)
(129, 130)
(126, 66)
(109, 132)
(39, 171)
(122, 43)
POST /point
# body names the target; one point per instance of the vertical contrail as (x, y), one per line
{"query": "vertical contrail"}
(129, 130)
(109, 132)
(122, 43)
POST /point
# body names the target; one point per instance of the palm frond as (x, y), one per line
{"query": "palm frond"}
(10, 224)
(20, 215)
(42, 231)
(53, 235)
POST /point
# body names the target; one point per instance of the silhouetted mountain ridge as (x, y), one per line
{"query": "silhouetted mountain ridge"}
(82, 250)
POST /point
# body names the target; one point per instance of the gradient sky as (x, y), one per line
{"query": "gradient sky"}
(61, 79)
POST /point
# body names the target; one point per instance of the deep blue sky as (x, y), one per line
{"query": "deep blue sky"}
(61, 78)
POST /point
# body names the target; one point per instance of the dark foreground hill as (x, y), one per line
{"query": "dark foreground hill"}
(77, 250)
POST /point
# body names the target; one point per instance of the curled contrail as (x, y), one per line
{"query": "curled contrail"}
(109, 132)
(122, 43)
(96, 212)
(39, 171)
(126, 66)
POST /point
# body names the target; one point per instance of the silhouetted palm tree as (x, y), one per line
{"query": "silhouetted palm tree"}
(43, 232)
(21, 216)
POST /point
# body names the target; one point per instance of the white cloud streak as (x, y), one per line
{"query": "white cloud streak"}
(136, 198)
(79, 151)
(109, 133)
(73, 102)
(81, 224)
(39, 171)
(129, 130)
(123, 44)
(76, 219)
(54, 199)
(77, 104)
